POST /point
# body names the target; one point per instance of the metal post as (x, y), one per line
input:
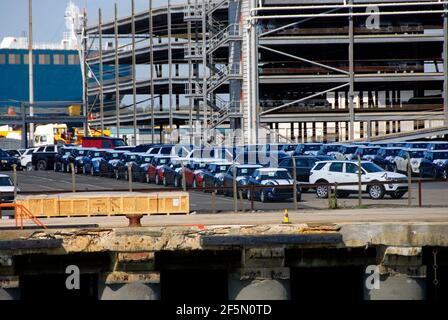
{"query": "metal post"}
(24, 128)
(100, 44)
(294, 181)
(134, 75)
(72, 168)
(445, 66)
(204, 67)
(252, 208)
(130, 177)
(30, 67)
(190, 86)
(85, 78)
(117, 72)
(151, 64)
(240, 193)
(214, 201)
(235, 196)
(351, 74)
(408, 166)
(14, 168)
(359, 182)
(170, 71)
(420, 200)
(184, 181)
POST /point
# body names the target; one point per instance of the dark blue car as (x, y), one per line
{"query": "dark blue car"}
(435, 164)
(243, 174)
(92, 164)
(272, 178)
(385, 157)
(111, 159)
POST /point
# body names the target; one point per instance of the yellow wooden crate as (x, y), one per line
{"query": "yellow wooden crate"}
(40, 205)
(173, 202)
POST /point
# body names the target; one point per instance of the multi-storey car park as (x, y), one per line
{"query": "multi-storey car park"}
(302, 70)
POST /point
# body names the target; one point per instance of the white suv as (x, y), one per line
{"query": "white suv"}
(335, 171)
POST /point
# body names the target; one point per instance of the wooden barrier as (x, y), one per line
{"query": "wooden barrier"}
(106, 203)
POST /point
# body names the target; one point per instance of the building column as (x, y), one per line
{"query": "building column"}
(129, 286)
(9, 288)
(402, 275)
(263, 276)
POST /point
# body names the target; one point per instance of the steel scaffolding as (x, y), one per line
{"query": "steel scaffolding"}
(207, 58)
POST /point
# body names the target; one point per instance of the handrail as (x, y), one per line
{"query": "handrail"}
(21, 212)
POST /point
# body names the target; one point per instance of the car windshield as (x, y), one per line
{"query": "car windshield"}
(201, 166)
(245, 171)
(416, 154)
(67, 153)
(132, 157)
(349, 149)
(289, 147)
(82, 152)
(115, 155)
(275, 175)
(5, 182)
(371, 167)
(96, 154)
(3, 154)
(221, 168)
(369, 151)
(147, 159)
(330, 148)
(387, 153)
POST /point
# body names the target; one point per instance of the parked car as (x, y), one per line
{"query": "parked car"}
(385, 157)
(157, 160)
(145, 161)
(303, 166)
(170, 173)
(7, 161)
(6, 189)
(336, 171)
(26, 159)
(307, 148)
(128, 159)
(417, 145)
(272, 177)
(192, 167)
(345, 152)
(63, 158)
(328, 148)
(211, 175)
(435, 164)
(201, 168)
(366, 152)
(111, 160)
(44, 156)
(102, 142)
(15, 152)
(80, 156)
(401, 160)
(243, 174)
(92, 163)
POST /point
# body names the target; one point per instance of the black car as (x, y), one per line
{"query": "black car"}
(111, 160)
(210, 177)
(385, 156)
(44, 156)
(435, 164)
(126, 160)
(7, 161)
(243, 174)
(304, 164)
(80, 156)
(63, 158)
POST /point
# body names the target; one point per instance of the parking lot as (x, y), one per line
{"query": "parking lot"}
(433, 193)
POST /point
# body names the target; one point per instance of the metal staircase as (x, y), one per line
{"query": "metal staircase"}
(218, 34)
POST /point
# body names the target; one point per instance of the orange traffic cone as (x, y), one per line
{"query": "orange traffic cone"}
(286, 217)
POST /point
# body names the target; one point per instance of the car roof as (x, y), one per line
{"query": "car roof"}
(415, 149)
(3, 175)
(248, 165)
(271, 169)
(435, 151)
(345, 161)
(391, 148)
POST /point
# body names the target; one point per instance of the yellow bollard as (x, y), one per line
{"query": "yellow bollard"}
(286, 217)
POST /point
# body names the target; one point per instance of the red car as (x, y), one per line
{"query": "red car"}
(199, 167)
(156, 162)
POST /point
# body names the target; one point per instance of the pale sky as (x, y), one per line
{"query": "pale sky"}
(48, 15)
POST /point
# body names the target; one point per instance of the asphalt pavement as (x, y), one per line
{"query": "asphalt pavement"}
(433, 194)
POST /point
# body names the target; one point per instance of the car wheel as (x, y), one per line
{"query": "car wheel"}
(397, 195)
(55, 167)
(84, 170)
(376, 191)
(68, 168)
(157, 179)
(164, 182)
(322, 191)
(126, 176)
(249, 195)
(195, 185)
(117, 175)
(445, 174)
(41, 165)
(76, 170)
(176, 182)
(29, 166)
(92, 171)
(62, 167)
(147, 178)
